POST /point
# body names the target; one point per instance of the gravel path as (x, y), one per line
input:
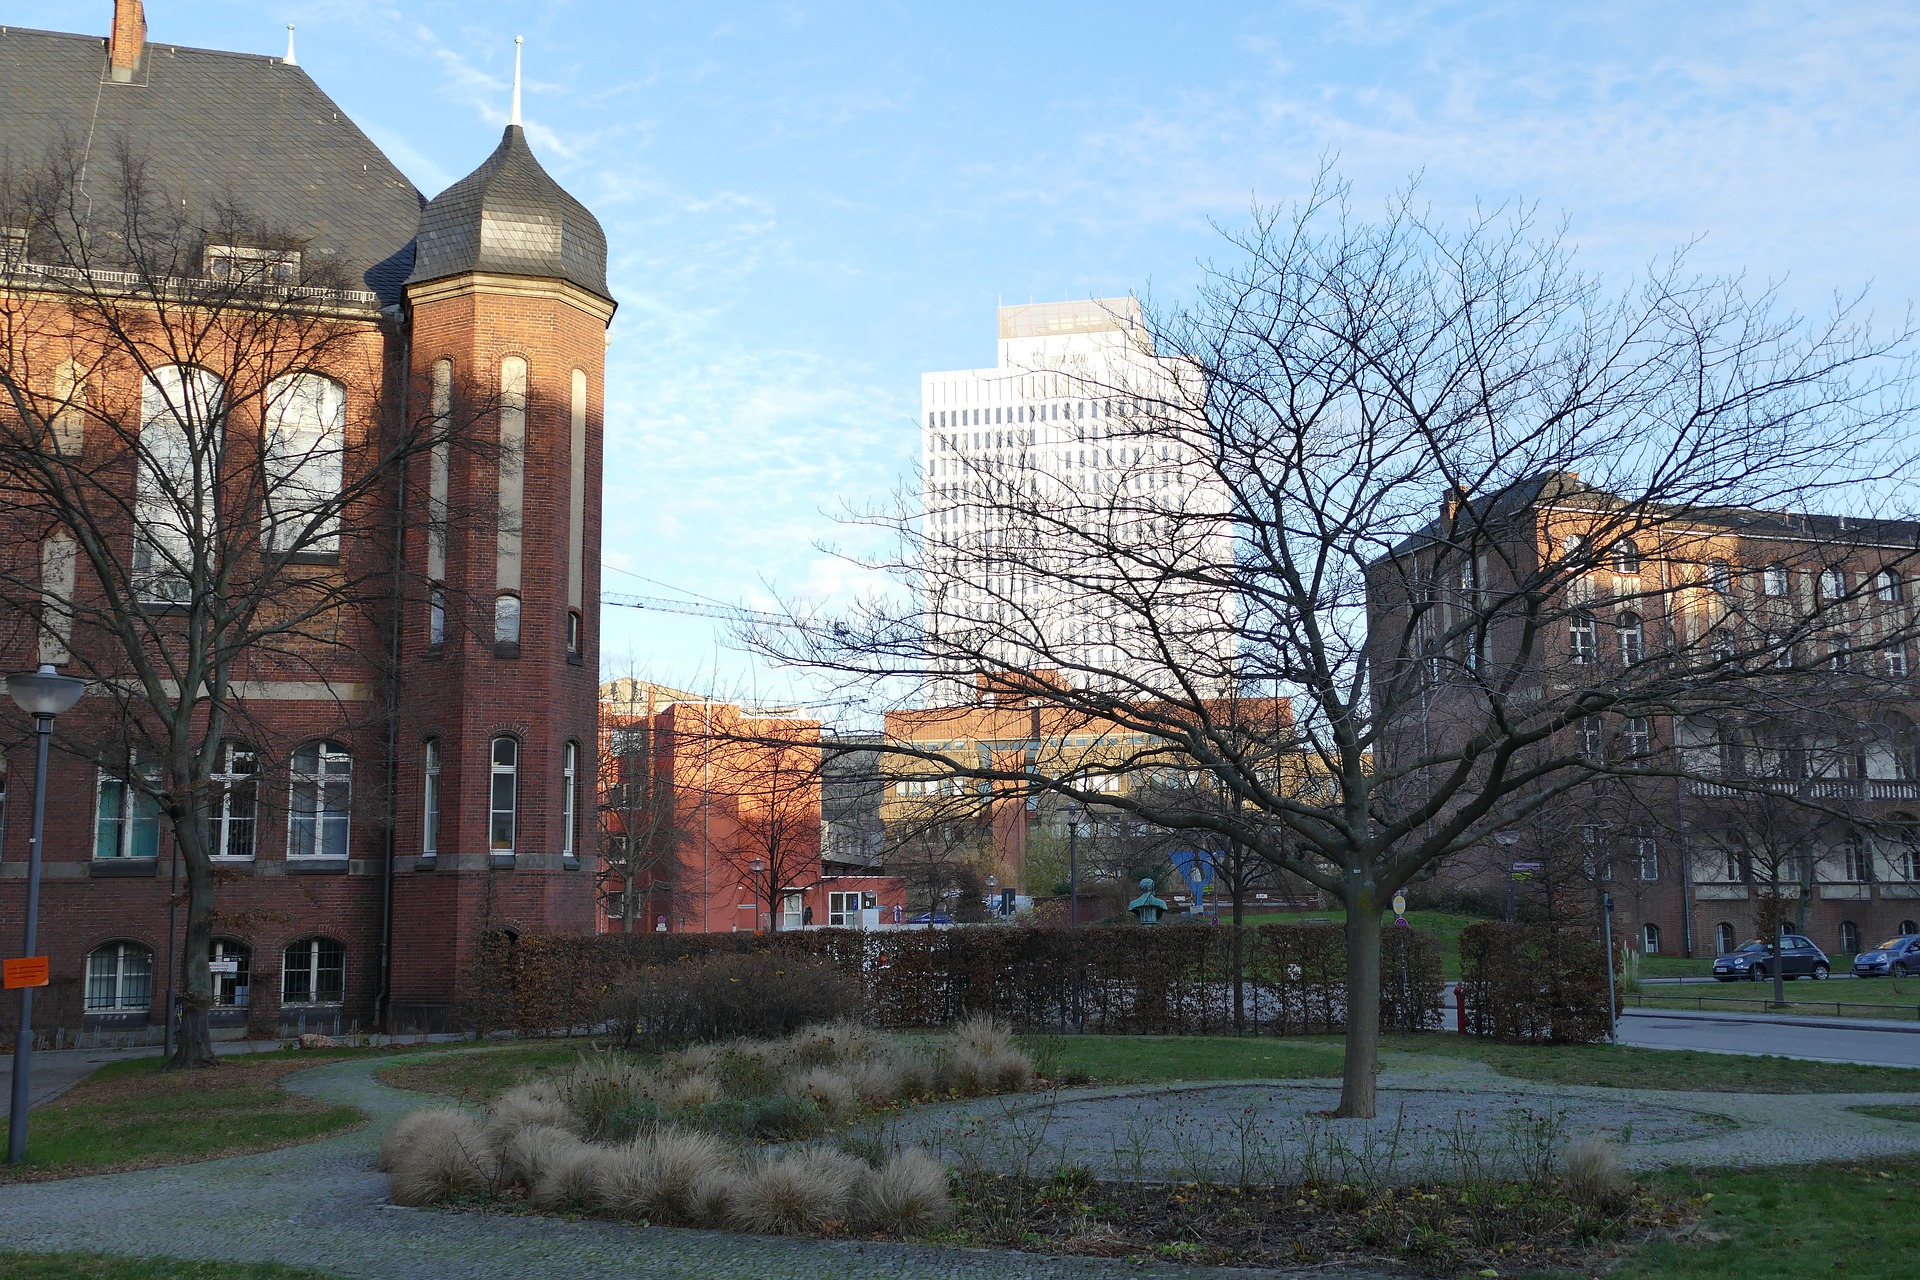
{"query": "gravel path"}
(1432, 1120)
(320, 1205)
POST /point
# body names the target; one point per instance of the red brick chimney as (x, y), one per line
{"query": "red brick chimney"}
(129, 39)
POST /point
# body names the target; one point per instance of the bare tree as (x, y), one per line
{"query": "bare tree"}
(644, 820)
(771, 794)
(1369, 506)
(199, 505)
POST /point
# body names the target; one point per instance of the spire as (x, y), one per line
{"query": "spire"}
(291, 60)
(515, 119)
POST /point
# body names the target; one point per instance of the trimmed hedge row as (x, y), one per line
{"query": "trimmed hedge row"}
(1530, 983)
(1162, 981)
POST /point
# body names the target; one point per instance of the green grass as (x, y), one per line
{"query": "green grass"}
(1793, 1223)
(482, 1075)
(1856, 998)
(1676, 967)
(94, 1266)
(135, 1114)
(1620, 1067)
(1891, 1111)
(1145, 1059)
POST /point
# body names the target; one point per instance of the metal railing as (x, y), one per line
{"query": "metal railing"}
(175, 286)
(1760, 1004)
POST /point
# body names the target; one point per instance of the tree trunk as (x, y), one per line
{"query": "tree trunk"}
(1363, 1006)
(193, 1046)
(1239, 955)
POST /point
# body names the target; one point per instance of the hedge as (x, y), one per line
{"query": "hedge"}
(1163, 981)
(1534, 983)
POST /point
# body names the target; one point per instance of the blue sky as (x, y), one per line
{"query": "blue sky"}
(810, 205)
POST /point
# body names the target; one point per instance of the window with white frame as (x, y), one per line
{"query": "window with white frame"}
(1849, 938)
(1893, 659)
(322, 801)
(1833, 584)
(430, 799)
(180, 414)
(1633, 638)
(313, 971)
(1773, 580)
(1646, 855)
(243, 264)
(569, 797)
(303, 464)
(1636, 733)
(1887, 586)
(1650, 939)
(1840, 653)
(1736, 869)
(1855, 858)
(236, 820)
(119, 978)
(843, 910)
(793, 911)
(1626, 557)
(126, 816)
(436, 615)
(1583, 645)
(1720, 577)
(230, 988)
(1593, 738)
(506, 623)
(504, 794)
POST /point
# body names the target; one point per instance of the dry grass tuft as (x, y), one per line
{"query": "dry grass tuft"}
(529, 1153)
(406, 1132)
(1592, 1170)
(447, 1156)
(876, 1081)
(797, 1192)
(696, 1090)
(910, 1194)
(826, 1088)
(656, 1177)
(918, 1075)
(571, 1180)
(983, 1034)
(600, 1087)
(528, 1106)
(711, 1203)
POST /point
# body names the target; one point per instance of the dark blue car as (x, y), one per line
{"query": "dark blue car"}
(1895, 958)
(1799, 958)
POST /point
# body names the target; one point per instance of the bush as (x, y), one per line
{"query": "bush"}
(1534, 983)
(727, 996)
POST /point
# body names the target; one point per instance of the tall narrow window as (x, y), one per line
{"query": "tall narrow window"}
(239, 801)
(322, 801)
(1593, 738)
(1646, 855)
(126, 821)
(439, 469)
(180, 415)
(504, 804)
(436, 615)
(1856, 861)
(1894, 659)
(1833, 584)
(1886, 586)
(569, 798)
(69, 420)
(57, 562)
(1582, 640)
(1849, 938)
(1632, 638)
(506, 626)
(430, 791)
(1773, 580)
(1636, 733)
(314, 971)
(1720, 577)
(305, 445)
(119, 978)
(1650, 939)
(1626, 557)
(511, 471)
(577, 499)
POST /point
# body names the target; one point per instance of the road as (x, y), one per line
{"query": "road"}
(1816, 1039)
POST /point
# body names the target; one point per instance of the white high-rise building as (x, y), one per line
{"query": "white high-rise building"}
(1070, 520)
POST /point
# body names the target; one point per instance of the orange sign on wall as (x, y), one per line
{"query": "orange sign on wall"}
(30, 971)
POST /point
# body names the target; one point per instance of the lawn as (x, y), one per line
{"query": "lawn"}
(94, 1266)
(1789, 1224)
(1620, 1067)
(480, 1075)
(135, 1114)
(1850, 998)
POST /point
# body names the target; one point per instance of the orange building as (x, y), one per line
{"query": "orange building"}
(710, 814)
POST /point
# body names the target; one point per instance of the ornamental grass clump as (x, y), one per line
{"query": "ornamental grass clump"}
(527, 1106)
(446, 1157)
(911, 1193)
(828, 1089)
(600, 1090)
(797, 1192)
(654, 1178)
(1591, 1171)
(531, 1153)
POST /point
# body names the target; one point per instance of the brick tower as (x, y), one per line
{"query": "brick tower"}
(508, 310)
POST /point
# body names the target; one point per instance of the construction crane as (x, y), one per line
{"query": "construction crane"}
(698, 609)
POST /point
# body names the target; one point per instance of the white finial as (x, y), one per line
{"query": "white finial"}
(516, 82)
(291, 60)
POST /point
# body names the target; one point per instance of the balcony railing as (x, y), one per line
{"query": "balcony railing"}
(178, 286)
(1816, 789)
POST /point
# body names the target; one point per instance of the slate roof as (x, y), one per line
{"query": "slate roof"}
(218, 129)
(510, 216)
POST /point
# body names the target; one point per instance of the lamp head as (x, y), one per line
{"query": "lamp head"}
(45, 692)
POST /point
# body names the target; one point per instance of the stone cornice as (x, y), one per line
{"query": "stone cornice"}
(495, 285)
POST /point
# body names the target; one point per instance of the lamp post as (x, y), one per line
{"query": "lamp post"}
(42, 694)
(1073, 866)
(1506, 840)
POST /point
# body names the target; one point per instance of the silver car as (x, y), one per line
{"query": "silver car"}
(1896, 957)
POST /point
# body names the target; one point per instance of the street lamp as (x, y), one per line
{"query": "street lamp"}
(1073, 866)
(42, 694)
(1506, 840)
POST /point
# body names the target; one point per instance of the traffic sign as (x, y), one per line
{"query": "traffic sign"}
(28, 971)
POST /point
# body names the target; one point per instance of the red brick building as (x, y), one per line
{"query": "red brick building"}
(427, 774)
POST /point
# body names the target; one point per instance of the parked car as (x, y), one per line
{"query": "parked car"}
(1799, 958)
(1897, 957)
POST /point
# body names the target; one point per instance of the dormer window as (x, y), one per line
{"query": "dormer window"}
(238, 264)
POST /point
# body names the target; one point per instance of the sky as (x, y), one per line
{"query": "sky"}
(808, 206)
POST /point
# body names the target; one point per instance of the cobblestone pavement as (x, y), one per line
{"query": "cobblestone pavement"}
(1430, 1118)
(320, 1205)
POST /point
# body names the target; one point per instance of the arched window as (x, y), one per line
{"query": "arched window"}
(506, 626)
(436, 616)
(180, 414)
(1650, 939)
(430, 792)
(322, 801)
(1849, 938)
(303, 464)
(1887, 586)
(1909, 926)
(1724, 938)
(230, 986)
(1583, 645)
(1632, 637)
(1626, 557)
(239, 801)
(569, 798)
(1773, 580)
(504, 805)
(314, 971)
(119, 978)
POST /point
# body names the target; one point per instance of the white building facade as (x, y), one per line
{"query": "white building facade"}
(1071, 520)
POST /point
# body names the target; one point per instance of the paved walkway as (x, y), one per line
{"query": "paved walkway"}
(1432, 1118)
(321, 1205)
